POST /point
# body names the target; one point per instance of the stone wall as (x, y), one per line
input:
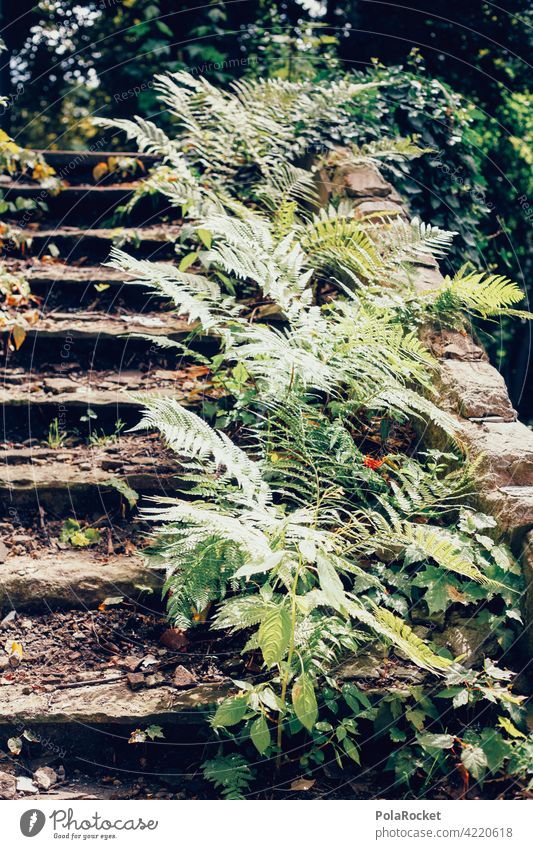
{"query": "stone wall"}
(469, 388)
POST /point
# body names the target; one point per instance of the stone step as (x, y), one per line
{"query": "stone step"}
(53, 580)
(93, 245)
(80, 478)
(108, 703)
(76, 165)
(31, 401)
(95, 337)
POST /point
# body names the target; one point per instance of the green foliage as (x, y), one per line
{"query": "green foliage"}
(310, 547)
(230, 774)
(73, 534)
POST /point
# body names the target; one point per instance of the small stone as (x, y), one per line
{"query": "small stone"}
(174, 638)
(26, 785)
(155, 680)
(130, 662)
(45, 777)
(184, 678)
(8, 785)
(26, 691)
(135, 680)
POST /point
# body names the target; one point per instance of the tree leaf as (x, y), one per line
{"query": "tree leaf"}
(274, 634)
(230, 712)
(19, 335)
(304, 701)
(205, 236)
(260, 734)
(187, 261)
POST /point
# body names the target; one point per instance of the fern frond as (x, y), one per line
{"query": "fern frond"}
(203, 448)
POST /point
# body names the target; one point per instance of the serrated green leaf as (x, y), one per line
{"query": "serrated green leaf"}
(436, 741)
(230, 712)
(474, 760)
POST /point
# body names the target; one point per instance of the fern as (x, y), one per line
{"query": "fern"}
(231, 774)
(481, 294)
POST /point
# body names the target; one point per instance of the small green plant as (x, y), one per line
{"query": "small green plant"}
(56, 437)
(73, 534)
(102, 438)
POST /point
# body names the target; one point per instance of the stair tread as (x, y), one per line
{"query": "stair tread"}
(72, 579)
(97, 325)
(108, 703)
(99, 388)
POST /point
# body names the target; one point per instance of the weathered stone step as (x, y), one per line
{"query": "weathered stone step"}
(94, 325)
(75, 165)
(108, 703)
(44, 275)
(93, 245)
(80, 479)
(30, 401)
(74, 579)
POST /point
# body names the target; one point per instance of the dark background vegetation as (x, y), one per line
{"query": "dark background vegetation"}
(67, 61)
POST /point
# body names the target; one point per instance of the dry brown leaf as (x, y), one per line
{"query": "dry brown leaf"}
(100, 170)
(302, 784)
(19, 335)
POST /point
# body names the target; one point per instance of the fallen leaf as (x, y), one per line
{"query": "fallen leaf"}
(111, 601)
(302, 784)
(14, 649)
(14, 744)
(19, 335)
(99, 171)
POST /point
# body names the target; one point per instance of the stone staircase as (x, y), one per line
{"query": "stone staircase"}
(116, 667)
(66, 400)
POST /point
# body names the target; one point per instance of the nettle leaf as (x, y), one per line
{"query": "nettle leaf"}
(436, 741)
(260, 734)
(230, 712)
(474, 760)
(274, 635)
(304, 701)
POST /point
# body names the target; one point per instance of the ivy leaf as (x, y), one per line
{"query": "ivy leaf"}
(437, 596)
(14, 744)
(274, 634)
(416, 718)
(461, 698)
(154, 731)
(230, 712)
(474, 760)
(260, 734)
(304, 701)
(495, 747)
(397, 735)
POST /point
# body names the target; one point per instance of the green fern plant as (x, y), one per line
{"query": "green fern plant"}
(306, 534)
